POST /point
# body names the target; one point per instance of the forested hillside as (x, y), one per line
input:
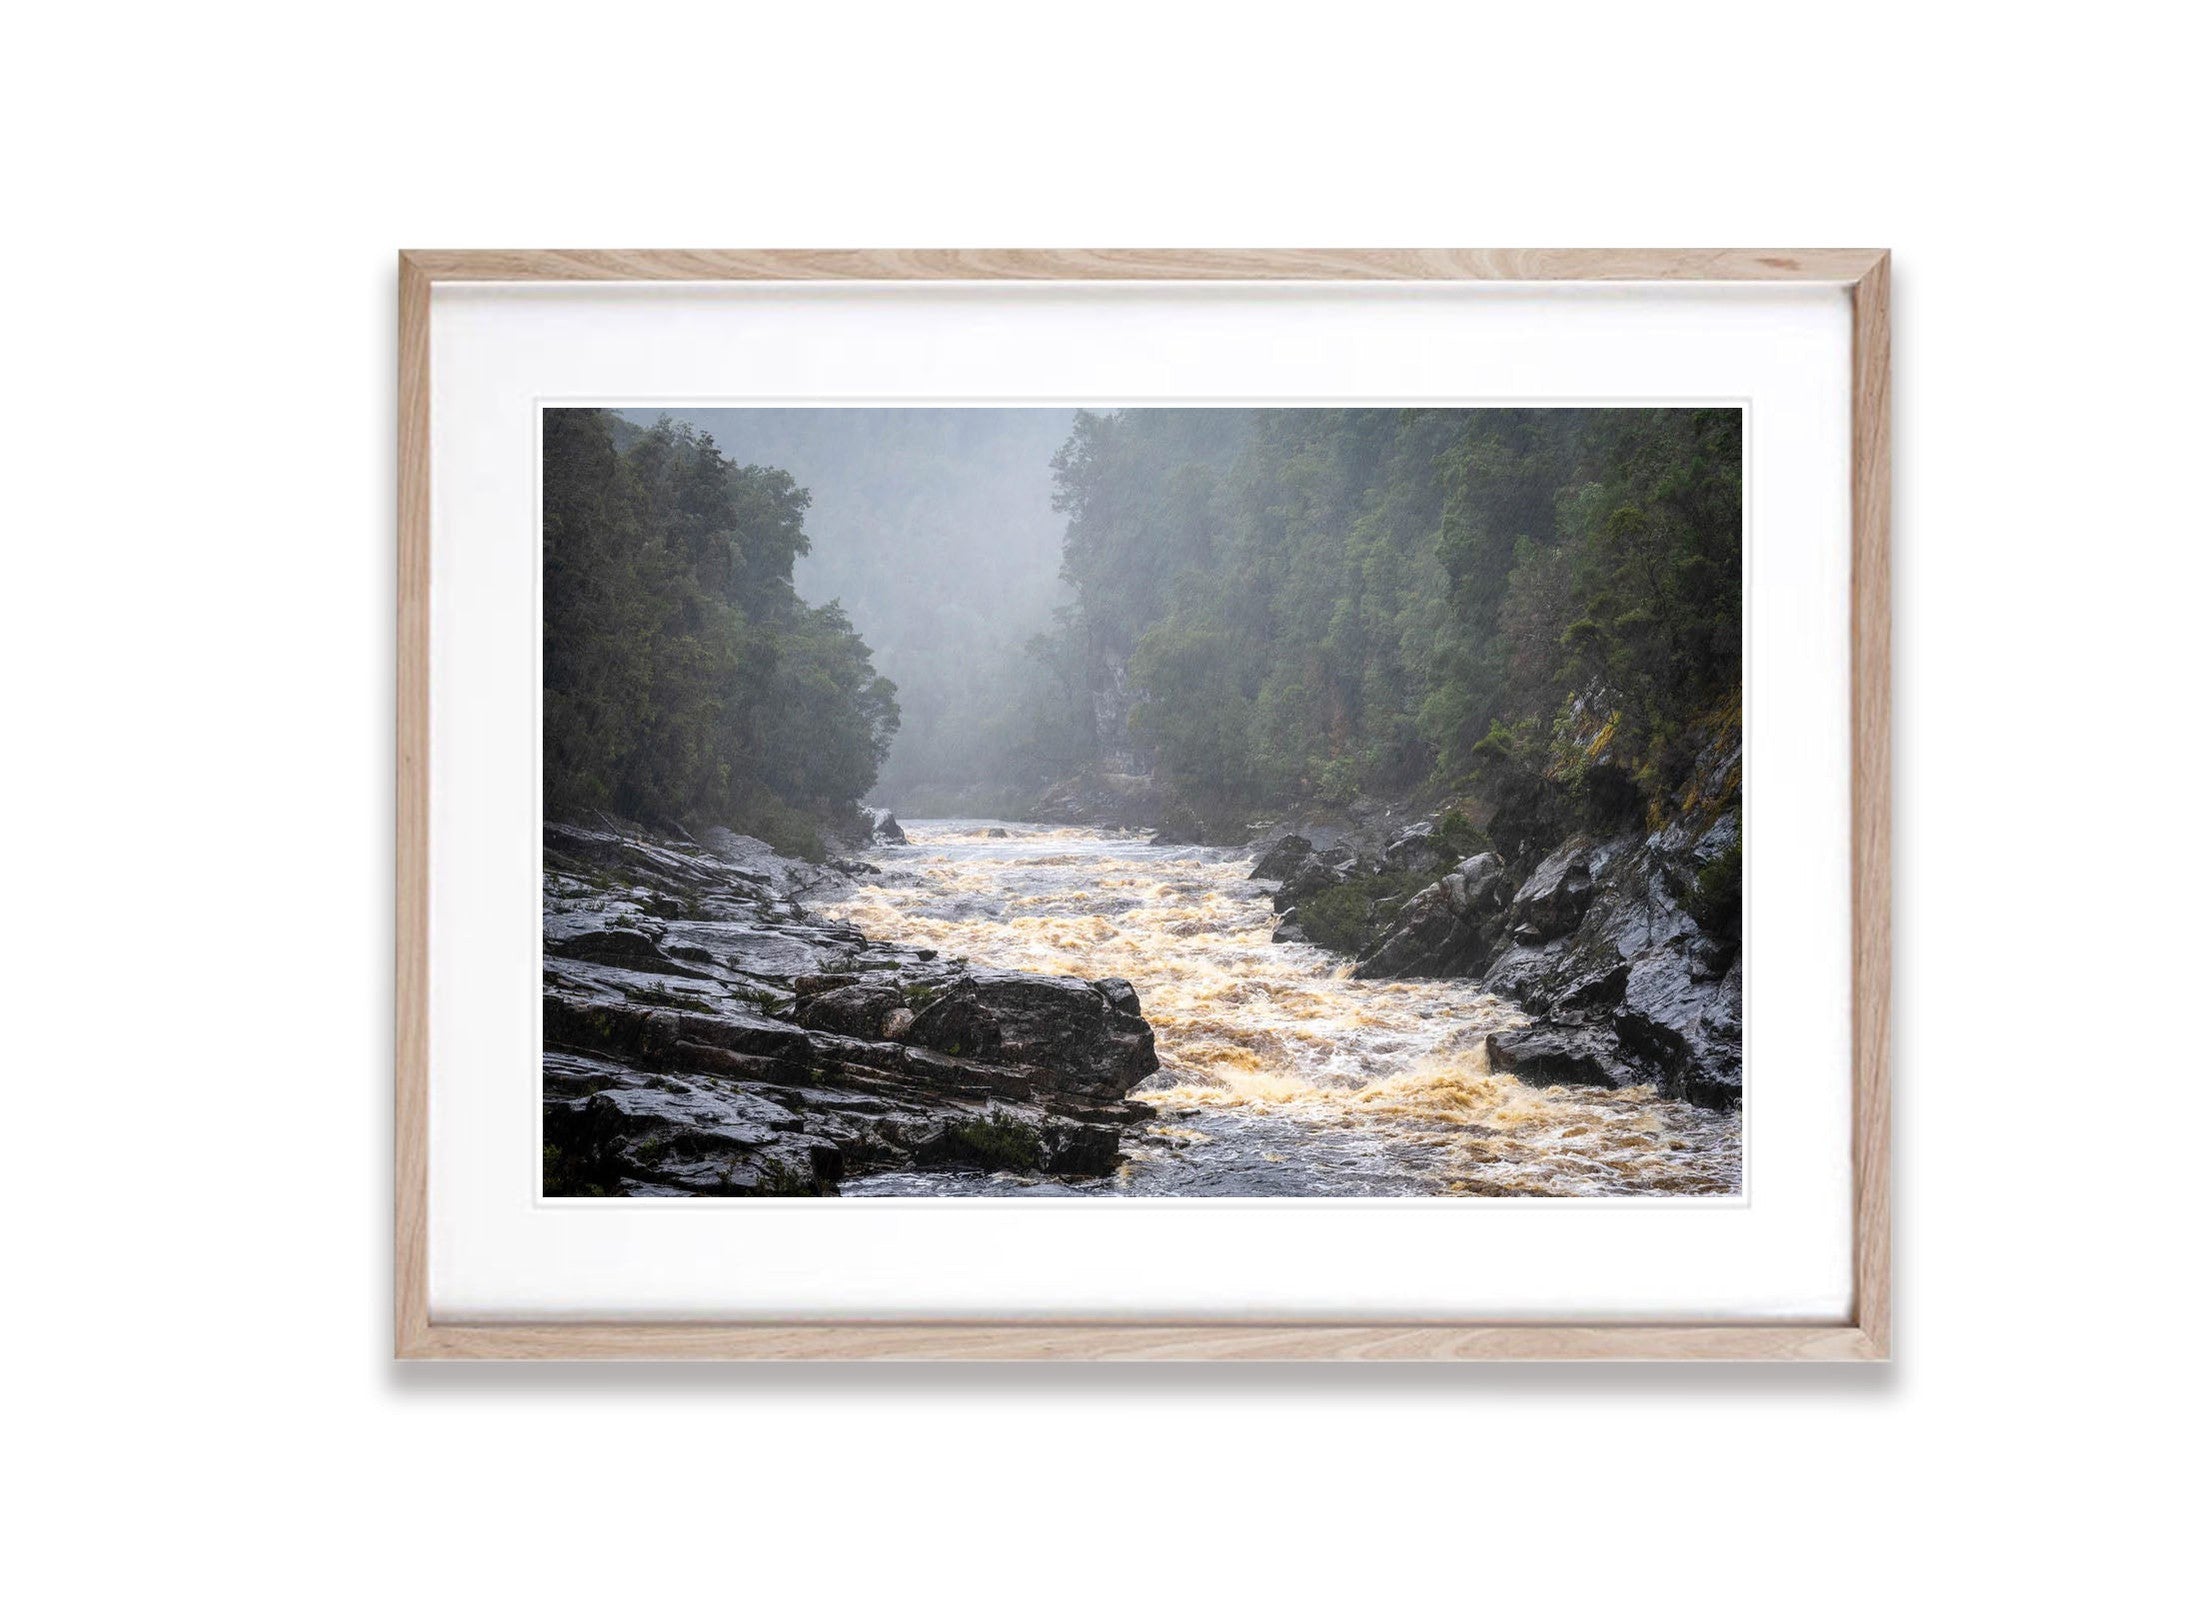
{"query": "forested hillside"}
(1532, 616)
(683, 679)
(1288, 607)
(934, 528)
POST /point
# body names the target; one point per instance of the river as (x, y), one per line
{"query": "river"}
(1280, 1075)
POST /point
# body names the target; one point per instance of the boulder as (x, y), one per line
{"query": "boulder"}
(1417, 850)
(1447, 929)
(883, 828)
(1312, 877)
(1603, 945)
(1530, 975)
(1582, 1054)
(1550, 903)
(1604, 948)
(1118, 993)
(1317, 873)
(1677, 1035)
(1690, 1030)
(1590, 986)
(1282, 858)
(1081, 1039)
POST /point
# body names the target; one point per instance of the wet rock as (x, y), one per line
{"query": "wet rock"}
(1722, 835)
(736, 1027)
(883, 828)
(704, 1034)
(1668, 1031)
(756, 864)
(855, 1010)
(1065, 1028)
(1447, 929)
(1418, 851)
(1118, 993)
(1103, 799)
(1019, 1141)
(1598, 942)
(1596, 988)
(1315, 875)
(1690, 1029)
(1603, 947)
(1281, 859)
(996, 832)
(1552, 1053)
(782, 953)
(626, 947)
(1551, 902)
(608, 1128)
(1526, 974)
(1711, 958)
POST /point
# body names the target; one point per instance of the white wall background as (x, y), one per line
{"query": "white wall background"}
(199, 372)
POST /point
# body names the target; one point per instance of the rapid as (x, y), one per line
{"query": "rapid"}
(1280, 1075)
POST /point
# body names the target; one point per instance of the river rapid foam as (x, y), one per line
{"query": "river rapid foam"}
(1281, 1076)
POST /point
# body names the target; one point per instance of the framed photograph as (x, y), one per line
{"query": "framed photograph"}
(1249, 804)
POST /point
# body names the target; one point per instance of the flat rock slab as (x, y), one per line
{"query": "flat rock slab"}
(706, 1033)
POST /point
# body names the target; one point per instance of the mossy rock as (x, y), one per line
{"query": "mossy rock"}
(996, 1142)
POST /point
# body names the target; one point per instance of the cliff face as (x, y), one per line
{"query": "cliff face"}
(1118, 787)
(1606, 949)
(1107, 681)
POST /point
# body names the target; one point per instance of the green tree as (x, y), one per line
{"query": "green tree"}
(1318, 604)
(683, 678)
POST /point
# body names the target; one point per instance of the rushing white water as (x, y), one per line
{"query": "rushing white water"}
(1280, 1074)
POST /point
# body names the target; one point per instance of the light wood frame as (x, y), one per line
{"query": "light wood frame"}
(1863, 1336)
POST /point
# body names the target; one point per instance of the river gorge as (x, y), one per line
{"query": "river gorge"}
(983, 1009)
(1280, 1074)
(1375, 775)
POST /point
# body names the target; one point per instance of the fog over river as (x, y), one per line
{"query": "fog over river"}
(1280, 1074)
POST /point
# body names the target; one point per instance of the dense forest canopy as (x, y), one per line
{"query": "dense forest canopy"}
(683, 678)
(1537, 612)
(934, 528)
(1313, 605)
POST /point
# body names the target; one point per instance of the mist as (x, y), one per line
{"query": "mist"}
(935, 530)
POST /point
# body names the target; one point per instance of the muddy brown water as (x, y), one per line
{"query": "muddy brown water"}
(1281, 1075)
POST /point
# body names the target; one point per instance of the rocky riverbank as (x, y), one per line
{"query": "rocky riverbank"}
(707, 1029)
(1625, 946)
